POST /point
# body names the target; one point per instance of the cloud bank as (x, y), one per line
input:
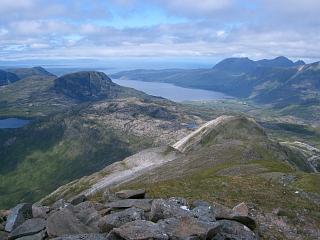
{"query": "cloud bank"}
(31, 29)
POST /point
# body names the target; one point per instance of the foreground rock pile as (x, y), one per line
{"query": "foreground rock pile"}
(127, 215)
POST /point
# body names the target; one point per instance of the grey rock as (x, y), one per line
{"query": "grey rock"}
(78, 199)
(38, 236)
(40, 211)
(200, 203)
(135, 194)
(65, 222)
(1, 227)
(186, 228)
(60, 204)
(204, 213)
(29, 227)
(178, 200)
(109, 196)
(87, 213)
(119, 218)
(18, 215)
(139, 229)
(162, 209)
(89, 236)
(89, 205)
(240, 210)
(221, 212)
(144, 204)
(226, 230)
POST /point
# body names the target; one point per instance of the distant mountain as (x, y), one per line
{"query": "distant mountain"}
(245, 65)
(278, 82)
(28, 72)
(7, 77)
(237, 65)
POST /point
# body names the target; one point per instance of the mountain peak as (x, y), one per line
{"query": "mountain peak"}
(221, 127)
(235, 65)
(84, 85)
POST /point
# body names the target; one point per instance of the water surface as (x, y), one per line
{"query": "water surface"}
(13, 122)
(172, 92)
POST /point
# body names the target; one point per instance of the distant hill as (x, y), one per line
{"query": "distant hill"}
(12, 75)
(7, 77)
(28, 72)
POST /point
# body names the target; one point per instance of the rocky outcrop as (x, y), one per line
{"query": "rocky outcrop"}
(306, 157)
(131, 219)
(91, 86)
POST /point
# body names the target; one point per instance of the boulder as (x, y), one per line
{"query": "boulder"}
(135, 194)
(65, 222)
(78, 199)
(204, 213)
(240, 210)
(38, 236)
(221, 212)
(200, 203)
(186, 228)
(18, 215)
(29, 227)
(88, 213)
(162, 209)
(227, 229)
(119, 218)
(89, 236)
(40, 211)
(139, 229)
(178, 200)
(60, 204)
(144, 204)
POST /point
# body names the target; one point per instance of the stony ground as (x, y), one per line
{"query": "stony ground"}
(127, 214)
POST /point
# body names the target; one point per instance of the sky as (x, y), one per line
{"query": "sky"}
(182, 30)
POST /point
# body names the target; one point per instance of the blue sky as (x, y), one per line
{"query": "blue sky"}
(163, 29)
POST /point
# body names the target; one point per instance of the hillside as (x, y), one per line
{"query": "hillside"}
(83, 131)
(227, 160)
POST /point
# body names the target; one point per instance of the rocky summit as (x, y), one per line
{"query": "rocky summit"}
(119, 215)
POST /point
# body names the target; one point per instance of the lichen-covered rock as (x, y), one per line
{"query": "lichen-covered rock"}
(119, 218)
(65, 222)
(162, 209)
(227, 229)
(186, 227)
(139, 230)
(29, 227)
(204, 213)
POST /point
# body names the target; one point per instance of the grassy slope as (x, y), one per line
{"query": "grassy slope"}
(56, 150)
(264, 193)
